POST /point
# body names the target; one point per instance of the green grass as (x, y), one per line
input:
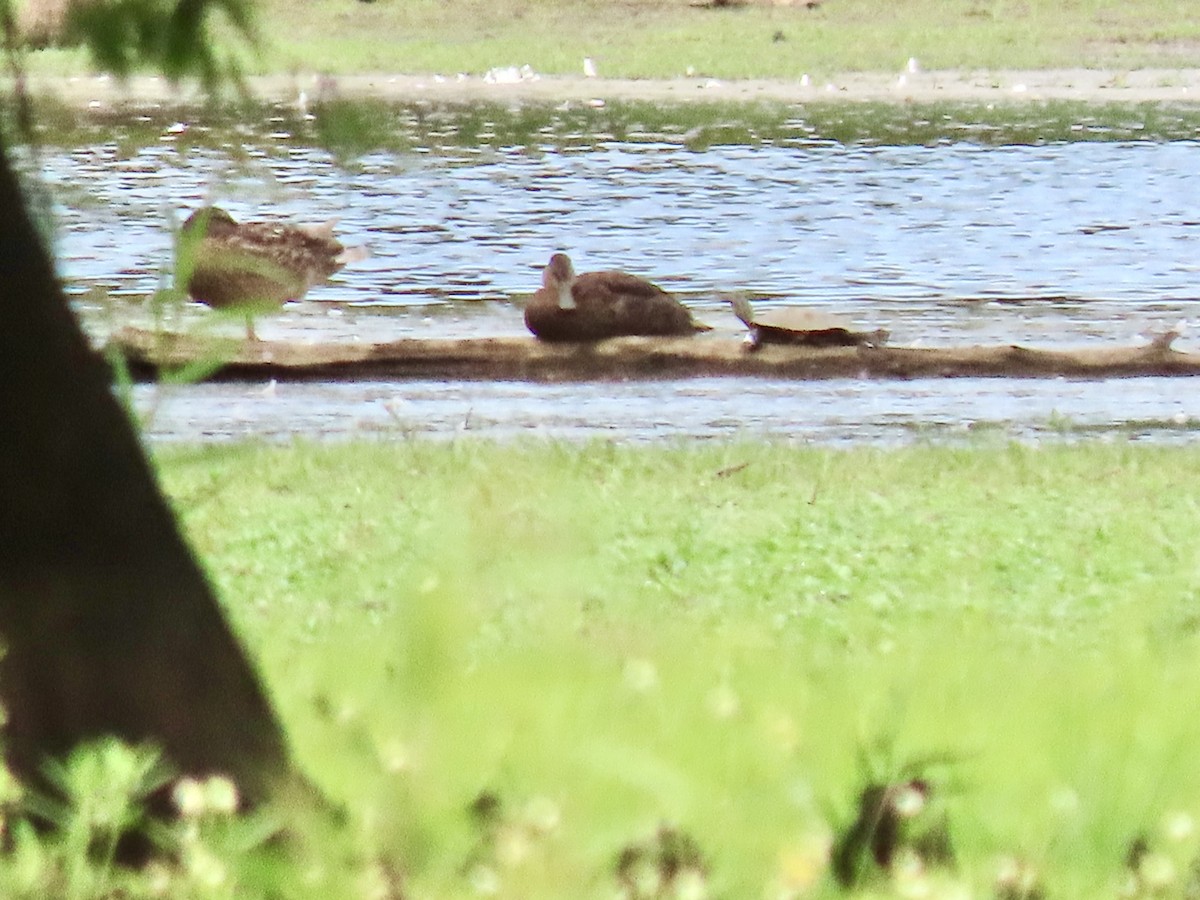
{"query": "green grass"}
(637, 38)
(663, 38)
(734, 639)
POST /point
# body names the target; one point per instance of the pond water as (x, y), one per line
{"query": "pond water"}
(838, 412)
(944, 239)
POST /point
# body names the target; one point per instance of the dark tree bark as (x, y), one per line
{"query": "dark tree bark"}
(108, 624)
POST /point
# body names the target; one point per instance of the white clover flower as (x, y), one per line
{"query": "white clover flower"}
(646, 879)
(158, 879)
(204, 868)
(1064, 801)
(1157, 871)
(1016, 877)
(189, 798)
(484, 880)
(690, 884)
(221, 795)
(641, 675)
(801, 864)
(394, 757)
(512, 845)
(543, 815)
(908, 801)
(909, 875)
(1009, 873)
(1179, 826)
(723, 702)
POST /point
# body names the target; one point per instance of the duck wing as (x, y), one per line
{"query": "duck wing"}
(621, 303)
(305, 256)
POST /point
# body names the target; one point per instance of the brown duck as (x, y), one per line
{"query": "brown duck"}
(256, 266)
(596, 305)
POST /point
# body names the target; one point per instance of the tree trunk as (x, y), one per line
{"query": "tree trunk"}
(108, 624)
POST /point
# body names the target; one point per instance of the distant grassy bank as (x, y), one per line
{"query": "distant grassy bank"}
(583, 643)
(663, 38)
(667, 38)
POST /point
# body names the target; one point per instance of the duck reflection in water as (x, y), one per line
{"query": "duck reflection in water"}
(597, 305)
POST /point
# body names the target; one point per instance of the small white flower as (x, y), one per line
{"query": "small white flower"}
(512, 845)
(802, 864)
(1064, 801)
(1157, 871)
(909, 801)
(189, 798)
(645, 879)
(221, 795)
(909, 875)
(1179, 826)
(641, 675)
(485, 880)
(723, 702)
(157, 878)
(543, 815)
(690, 885)
(204, 868)
(1016, 877)
(394, 757)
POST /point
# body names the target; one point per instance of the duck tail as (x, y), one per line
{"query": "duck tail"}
(324, 231)
(352, 255)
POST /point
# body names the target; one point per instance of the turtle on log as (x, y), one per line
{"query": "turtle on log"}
(256, 266)
(801, 327)
(597, 305)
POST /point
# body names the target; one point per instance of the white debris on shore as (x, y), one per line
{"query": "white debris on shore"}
(510, 75)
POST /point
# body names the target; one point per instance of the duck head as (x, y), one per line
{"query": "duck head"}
(210, 220)
(559, 277)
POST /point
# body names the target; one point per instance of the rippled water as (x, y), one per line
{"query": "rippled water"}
(837, 412)
(1075, 243)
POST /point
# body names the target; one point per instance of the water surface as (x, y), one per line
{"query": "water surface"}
(959, 235)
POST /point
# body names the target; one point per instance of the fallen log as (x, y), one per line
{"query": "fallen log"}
(150, 355)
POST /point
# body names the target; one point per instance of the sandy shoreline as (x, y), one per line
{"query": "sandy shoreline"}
(1084, 85)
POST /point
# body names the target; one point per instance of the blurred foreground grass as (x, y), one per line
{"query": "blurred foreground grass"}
(588, 643)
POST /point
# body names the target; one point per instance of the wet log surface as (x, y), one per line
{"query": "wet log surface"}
(149, 354)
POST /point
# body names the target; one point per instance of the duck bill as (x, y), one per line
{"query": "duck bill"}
(566, 300)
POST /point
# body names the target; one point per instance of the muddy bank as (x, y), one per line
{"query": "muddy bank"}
(149, 354)
(1085, 85)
